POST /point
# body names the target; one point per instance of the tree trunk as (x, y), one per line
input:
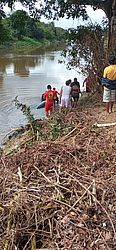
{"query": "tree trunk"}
(112, 29)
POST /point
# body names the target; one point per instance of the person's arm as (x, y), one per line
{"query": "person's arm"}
(61, 93)
(45, 94)
(58, 93)
(105, 73)
(84, 81)
(71, 88)
(54, 95)
(78, 87)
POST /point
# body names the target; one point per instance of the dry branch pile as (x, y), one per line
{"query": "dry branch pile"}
(61, 194)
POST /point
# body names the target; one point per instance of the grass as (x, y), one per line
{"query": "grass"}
(27, 43)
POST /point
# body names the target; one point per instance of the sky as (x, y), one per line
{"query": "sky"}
(95, 16)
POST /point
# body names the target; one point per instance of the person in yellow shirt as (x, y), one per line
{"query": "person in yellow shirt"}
(109, 83)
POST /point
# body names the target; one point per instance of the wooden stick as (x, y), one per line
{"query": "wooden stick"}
(104, 124)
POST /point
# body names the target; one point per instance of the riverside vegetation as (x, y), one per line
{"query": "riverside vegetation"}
(57, 182)
(20, 31)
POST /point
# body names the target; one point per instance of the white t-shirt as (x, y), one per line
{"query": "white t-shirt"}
(66, 91)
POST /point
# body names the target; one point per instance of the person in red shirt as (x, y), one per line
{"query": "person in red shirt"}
(56, 99)
(88, 84)
(49, 97)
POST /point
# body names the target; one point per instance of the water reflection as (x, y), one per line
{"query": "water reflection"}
(27, 76)
(20, 64)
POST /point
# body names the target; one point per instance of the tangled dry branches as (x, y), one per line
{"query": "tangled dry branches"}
(61, 194)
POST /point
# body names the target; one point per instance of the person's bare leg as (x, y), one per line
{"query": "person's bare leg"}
(71, 103)
(49, 114)
(53, 106)
(46, 114)
(75, 104)
(60, 109)
(107, 107)
(111, 106)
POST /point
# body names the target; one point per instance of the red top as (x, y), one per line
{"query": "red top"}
(49, 96)
(55, 93)
(88, 82)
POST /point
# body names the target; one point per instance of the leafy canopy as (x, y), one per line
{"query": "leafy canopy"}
(58, 8)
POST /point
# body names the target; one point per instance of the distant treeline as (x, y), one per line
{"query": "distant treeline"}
(19, 25)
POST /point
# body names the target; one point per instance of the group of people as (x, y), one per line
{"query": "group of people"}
(69, 93)
(56, 99)
(67, 98)
(50, 97)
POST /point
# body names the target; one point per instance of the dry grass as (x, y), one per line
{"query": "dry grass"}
(61, 194)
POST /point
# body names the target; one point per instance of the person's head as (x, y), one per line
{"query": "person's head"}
(67, 83)
(54, 88)
(75, 80)
(112, 59)
(49, 87)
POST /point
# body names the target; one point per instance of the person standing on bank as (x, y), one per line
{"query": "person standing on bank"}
(87, 83)
(75, 90)
(65, 96)
(109, 83)
(56, 99)
(49, 97)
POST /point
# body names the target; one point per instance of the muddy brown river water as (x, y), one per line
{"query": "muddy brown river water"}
(26, 76)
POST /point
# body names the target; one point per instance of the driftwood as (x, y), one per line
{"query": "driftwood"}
(104, 124)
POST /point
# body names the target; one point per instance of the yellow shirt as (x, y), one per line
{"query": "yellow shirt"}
(110, 72)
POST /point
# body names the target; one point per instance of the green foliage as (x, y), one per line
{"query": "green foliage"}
(55, 126)
(74, 9)
(59, 8)
(85, 49)
(20, 25)
(33, 29)
(18, 22)
(26, 111)
(4, 33)
(27, 42)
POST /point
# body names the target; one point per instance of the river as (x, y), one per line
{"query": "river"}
(26, 76)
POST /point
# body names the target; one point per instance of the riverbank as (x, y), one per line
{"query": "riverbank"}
(28, 44)
(59, 191)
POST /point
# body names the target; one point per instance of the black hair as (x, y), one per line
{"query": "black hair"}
(75, 79)
(112, 59)
(67, 83)
(54, 88)
(49, 86)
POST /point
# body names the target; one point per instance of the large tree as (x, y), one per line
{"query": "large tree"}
(77, 8)
(74, 9)
(18, 22)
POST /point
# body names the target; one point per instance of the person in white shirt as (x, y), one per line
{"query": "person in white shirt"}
(65, 95)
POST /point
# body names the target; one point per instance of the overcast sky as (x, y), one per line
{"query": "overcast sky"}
(95, 16)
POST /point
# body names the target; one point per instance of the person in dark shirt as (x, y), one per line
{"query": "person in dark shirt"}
(75, 90)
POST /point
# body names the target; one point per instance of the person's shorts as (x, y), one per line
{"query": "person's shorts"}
(109, 95)
(75, 96)
(49, 106)
(65, 102)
